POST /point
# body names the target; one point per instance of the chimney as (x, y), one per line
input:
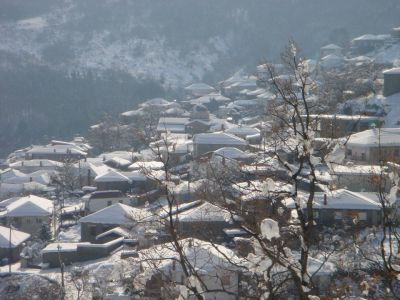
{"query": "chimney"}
(325, 200)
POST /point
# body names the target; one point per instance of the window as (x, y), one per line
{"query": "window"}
(121, 201)
(38, 220)
(363, 156)
(92, 230)
(316, 214)
(338, 215)
(109, 203)
(362, 216)
(349, 153)
(396, 152)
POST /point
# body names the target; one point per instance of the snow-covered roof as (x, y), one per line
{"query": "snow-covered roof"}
(127, 155)
(204, 256)
(46, 163)
(355, 169)
(207, 99)
(392, 71)
(219, 138)
(344, 117)
(116, 230)
(199, 86)
(205, 212)
(118, 213)
(29, 206)
(64, 149)
(332, 61)
(232, 152)
(147, 165)
(369, 37)
(62, 247)
(118, 162)
(10, 173)
(375, 137)
(133, 113)
(111, 176)
(172, 124)
(17, 237)
(343, 200)
(331, 47)
(243, 130)
(156, 101)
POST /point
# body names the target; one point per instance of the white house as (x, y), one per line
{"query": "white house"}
(374, 145)
(199, 89)
(27, 213)
(207, 142)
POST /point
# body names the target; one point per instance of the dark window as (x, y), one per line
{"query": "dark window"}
(92, 230)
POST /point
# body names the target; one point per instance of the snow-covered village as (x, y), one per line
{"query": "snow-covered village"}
(279, 180)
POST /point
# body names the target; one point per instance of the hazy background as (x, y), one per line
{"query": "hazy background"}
(64, 63)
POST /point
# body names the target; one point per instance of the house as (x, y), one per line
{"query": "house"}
(236, 154)
(112, 180)
(173, 125)
(246, 133)
(337, 125)
(205, 221)
(391, 82)
(330, 49)
(206, 142)
(56, 152)
(101, 199)
(374, 145)
(110, 217)
(199, 89)
(200, 112)
(332, 61)
(11, 249)
(69, 252)
(28, 213)
(368, 43)
(33, 165)
(197, 126)
(158, 103)
(217, 267)
(360, 178)
(343, 207)
(396, 34)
